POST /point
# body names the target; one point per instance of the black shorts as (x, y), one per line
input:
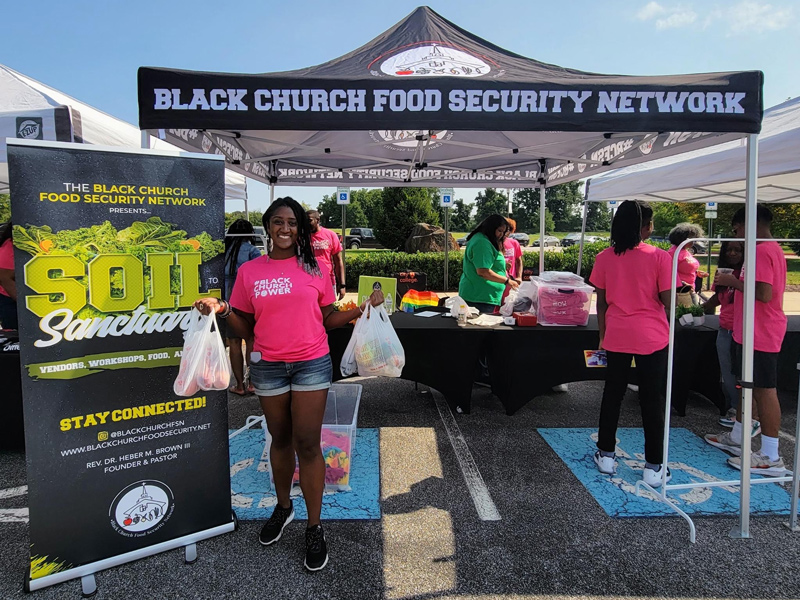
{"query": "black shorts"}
(765, 366)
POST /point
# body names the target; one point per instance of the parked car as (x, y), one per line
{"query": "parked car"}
(572, 239)
(549, 240)
(522, 238)
(261, 235)
(361, 237)
(462, 241)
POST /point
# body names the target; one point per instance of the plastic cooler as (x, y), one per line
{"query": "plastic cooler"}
(338, 436)
(562, 303)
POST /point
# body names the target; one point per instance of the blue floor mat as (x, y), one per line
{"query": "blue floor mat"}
(253, 498)
(691, 459)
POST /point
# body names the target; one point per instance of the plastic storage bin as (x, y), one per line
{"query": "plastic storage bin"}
(338, 436)
(562, 303)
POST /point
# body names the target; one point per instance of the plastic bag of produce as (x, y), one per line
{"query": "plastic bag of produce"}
(204, 362)
(378, 351)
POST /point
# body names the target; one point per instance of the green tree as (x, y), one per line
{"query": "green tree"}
(526, 212)
(400, 209)
(331, 213)
(563, 203)
(490, 202)
(369, 200)
(598, 217)
(461, 216)
(5, 208)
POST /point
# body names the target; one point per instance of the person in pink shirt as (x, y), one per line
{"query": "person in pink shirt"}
(633, 282)
(688, 265)
(285, 301)
(731, 258)
(512, 253)
(770, 327)
(328, 252)
(8, 284)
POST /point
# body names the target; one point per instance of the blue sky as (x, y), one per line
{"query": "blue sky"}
(91, 50)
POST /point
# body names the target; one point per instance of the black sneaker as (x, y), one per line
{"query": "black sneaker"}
(316, 549)
(273, 529)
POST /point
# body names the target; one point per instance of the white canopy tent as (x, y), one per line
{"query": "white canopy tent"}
(740, 171)
(30, 109)
(717, 173)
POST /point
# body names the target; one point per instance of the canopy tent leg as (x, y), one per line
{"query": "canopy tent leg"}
(446, 247)
(145, 139)
(792, 524)
(271, 193)
(583, 226)
(743, 529)
(541, 229)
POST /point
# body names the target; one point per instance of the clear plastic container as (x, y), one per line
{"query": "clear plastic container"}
(338, 436)
(562, 304)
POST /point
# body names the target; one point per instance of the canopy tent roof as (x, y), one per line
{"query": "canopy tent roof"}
(30, 109)
(427, 104)
(716, 174)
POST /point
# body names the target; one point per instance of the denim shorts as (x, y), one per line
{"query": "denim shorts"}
(276, 378)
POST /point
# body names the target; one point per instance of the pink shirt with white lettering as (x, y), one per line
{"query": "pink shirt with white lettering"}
(286, 303)
(636, 322)
(511, 252)
(770, 324)
(326, 244)
(688, 265)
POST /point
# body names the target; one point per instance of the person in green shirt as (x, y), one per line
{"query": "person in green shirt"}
(484, 277)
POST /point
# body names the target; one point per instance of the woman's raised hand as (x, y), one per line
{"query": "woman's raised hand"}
(206, 306)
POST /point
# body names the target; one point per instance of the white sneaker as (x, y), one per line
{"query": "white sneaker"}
(760, 464)
(653, 477)
(561, 388)
(605, 464)
(633, 387)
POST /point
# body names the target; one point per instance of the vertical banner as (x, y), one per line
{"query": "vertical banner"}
(111, 248)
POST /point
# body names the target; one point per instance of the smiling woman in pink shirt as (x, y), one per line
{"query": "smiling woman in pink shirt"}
(285, 300)
(633, 281)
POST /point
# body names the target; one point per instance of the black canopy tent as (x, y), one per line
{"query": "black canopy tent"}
(427, 103)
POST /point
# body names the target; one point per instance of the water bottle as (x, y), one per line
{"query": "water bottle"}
(388, 302)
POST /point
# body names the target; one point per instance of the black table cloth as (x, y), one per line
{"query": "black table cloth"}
(525, 362)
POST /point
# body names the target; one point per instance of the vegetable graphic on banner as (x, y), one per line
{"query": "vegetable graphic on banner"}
(111, 248)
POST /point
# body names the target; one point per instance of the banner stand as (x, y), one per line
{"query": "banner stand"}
(87, 572)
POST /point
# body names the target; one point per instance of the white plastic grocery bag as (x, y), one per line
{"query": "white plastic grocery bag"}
(348, 365)
(378, 351)
(204, 362)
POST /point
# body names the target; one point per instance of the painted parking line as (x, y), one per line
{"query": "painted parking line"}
(487, 511)
(13, 492)
(13, 515)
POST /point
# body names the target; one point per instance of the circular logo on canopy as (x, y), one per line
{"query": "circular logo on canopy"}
(434, 60)
(647, 147)
(141, 506)
(406, 139)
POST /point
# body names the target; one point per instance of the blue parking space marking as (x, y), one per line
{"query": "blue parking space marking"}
(253, 498)
(690, 460)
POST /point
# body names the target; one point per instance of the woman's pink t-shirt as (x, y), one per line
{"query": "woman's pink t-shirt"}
(6, 260)
(511, 252)
(636, 322)
(326, 245)
(770, 324)
(725, 295)
(286, 303)
(688, 265)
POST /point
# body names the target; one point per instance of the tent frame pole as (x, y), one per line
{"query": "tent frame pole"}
(583, 226)
(541, 227)
(748, 333)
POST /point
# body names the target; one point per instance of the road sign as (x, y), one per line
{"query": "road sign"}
(447, 197)
(612, 202)
(711, 206)
(711, 214)
(343, 195)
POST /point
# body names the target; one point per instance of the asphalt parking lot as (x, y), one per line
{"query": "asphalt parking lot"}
(550, 538)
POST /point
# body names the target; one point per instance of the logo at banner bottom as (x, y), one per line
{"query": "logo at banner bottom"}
(141, 508)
